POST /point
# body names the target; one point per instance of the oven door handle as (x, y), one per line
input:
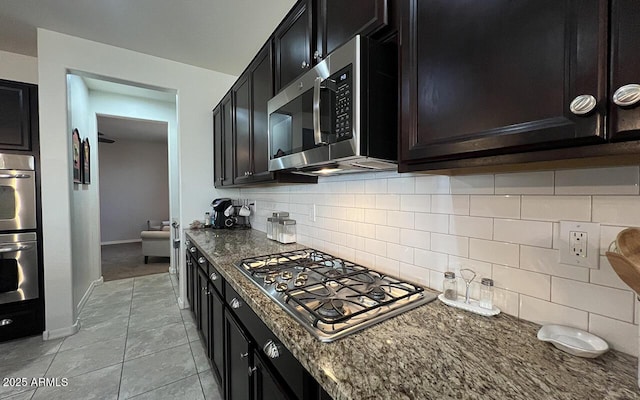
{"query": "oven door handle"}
(14, 248)
(14, 176)
(317, 133)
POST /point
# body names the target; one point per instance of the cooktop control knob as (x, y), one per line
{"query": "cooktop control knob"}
(271, 349)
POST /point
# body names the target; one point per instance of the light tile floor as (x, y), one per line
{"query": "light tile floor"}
(134, 343)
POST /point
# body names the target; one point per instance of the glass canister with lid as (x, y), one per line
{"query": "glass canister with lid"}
(274, 222)
(287, 231)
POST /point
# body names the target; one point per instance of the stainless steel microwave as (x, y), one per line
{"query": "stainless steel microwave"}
(340, 116)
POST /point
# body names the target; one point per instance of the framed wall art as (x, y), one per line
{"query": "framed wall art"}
(86, 161)
(77, 154)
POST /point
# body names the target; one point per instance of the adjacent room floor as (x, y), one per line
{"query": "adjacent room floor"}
(134, 342)
(120, 261)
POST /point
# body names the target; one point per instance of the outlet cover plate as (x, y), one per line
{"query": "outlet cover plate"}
(592, 231)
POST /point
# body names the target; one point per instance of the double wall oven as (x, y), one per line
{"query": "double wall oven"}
(19, 275)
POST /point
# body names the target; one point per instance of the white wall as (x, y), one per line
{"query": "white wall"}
(83, 222)
(503, 226)
(17, 67)
(199, 90)
(133, 173)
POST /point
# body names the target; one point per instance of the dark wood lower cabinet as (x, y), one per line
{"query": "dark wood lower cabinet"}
(235, 339)
(238, 361)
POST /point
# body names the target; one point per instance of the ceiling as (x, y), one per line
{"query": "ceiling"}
(118, 128)
(221, 35)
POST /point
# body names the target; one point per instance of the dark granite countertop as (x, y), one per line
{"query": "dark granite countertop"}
(431, 352)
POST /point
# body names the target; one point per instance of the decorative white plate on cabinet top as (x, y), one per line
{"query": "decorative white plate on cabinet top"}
(573, 341)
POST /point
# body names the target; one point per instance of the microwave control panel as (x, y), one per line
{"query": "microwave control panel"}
(343, 107)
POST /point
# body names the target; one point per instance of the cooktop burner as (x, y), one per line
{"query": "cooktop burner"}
(331, 297)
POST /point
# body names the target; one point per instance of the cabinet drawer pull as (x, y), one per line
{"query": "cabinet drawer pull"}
(213, 276)
(201, 260)
(252, 370)
(193, 249)
(6, 321)
(305, 65)
(583, 104)
(627, 95)
(271, 349)
(244, 355)
(187, 243)
(235, 303)
(317, 55)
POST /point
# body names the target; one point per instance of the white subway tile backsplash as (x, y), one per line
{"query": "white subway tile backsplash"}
(494, 252)
(432, 184)
(388, 201)
(366, 230)
(432, 222)
(525, 183)
(355, 187)
(400, 252)
(415, 274)
(556, 208)
(356, 242)
(365, 258)
(365, 200)
(506, 301)
(454, 245)
(606, 276)
(522, 281)
(375, 186)
(598, 299)
(533, 233)
(472, 184)
(388, 234)
(476, 227)
(482, 269)
(618, 180)
(387, 266)
(414, 238)
(416, 202)
(401, 185)
(620, 335)
(608, 234)
(355, 214)
(546, 261)
(617, 210)
(431, 260)
(378, 217)
(450, 204)
(495, 206)
(544, 312)
(401, 219)
(376, 247)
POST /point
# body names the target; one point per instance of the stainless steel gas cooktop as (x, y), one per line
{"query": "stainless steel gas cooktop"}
(329, 296)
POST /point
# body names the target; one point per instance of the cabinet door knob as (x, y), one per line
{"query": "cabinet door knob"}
(271, 349)
(252, 370)
(583, 104)
(244, 355)
(305, 65)
(317, 55)
(235, 303)
(627, 95)
(213, 276)
(187, 243)
(201, 260)
(6, 321)
(193, 249)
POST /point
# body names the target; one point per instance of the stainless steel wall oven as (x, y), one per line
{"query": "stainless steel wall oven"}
(18, 267)
(17, 192)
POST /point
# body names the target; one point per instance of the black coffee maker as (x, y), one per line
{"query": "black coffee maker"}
(219, 219)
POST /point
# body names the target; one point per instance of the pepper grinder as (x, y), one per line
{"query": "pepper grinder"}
(468, 276)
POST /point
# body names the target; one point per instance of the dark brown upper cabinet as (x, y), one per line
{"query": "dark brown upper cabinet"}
(223, 148)
(292, 42)
(338, 21)
(624, 89)
(16, 103)
(261, 71)
(242, 109)
(486, 78)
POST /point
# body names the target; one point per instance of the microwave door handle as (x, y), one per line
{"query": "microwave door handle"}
(317, 133)
(13, 248)
(14, 176)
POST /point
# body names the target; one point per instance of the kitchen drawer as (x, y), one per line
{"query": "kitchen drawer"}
(216, 279)
(282, 360)
(19, 322)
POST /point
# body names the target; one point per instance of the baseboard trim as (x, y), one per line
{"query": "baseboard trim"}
(61, 332)
(120, 242)
(182, 304)
(87, 294)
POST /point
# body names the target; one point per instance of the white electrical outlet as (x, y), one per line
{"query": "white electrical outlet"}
(579, 243)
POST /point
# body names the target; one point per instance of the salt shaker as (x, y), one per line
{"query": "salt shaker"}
(486, 293)
(449, 286)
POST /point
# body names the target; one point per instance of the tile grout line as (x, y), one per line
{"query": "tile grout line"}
(133, 288)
